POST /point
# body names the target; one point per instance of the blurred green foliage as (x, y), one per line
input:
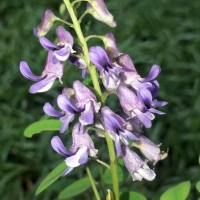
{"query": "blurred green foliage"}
(164, 32)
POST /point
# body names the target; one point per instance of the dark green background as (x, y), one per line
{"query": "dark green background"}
(151, 31)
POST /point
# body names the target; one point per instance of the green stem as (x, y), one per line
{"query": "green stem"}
(93, 184)
(94, 37)
(65, 22)
(103, 163)
(77, 1)
(113, 166)
(79, 33)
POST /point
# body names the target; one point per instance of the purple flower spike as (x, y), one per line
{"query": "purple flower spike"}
(63, 49)
(116, 128)
(136, 166)
(98, 10)
(46, 23)
(82, 147)
(79, 100)
(150, 150)
(109, 71)
(53, 70)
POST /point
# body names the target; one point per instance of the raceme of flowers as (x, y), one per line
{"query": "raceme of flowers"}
(137, 96)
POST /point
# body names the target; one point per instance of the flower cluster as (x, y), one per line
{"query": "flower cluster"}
(137, 96)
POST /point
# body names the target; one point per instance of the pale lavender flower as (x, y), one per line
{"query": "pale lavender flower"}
(63, 48)
(131, 77)
(140, 105)
(109, 71)
(98, 10)
(53, 70)
(136, 166)
(150, 150)
(111, 46)
(116, 128)
(79, 100)
(46, 23)
(82, 147)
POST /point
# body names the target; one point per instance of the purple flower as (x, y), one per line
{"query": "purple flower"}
(136, 166)
(109, 72)
(116, 128)
(140, 105)
(53, 70)
(131, 77)
(82, 147)
(98, 10)
(79, 100)
(150, 150)
(63, 49)
(46, 23)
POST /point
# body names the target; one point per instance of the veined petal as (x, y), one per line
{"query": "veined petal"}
(63, 53)
(65, 122)
(79, 158)
(157, 103)
(82, 94)
(153, 110)
(64, 37)
(65, 104)
(87, 116)
(25, 70)
(145, 96)
(59, 147)
(117, 146)
(43, 85)
(51, 111)
(47, 44)
(99, 57)
(155, 70)
(129, 135)
(143, 118)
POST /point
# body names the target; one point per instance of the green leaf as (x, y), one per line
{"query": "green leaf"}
(42, 125)
(136, 196)
(107, 177)
(75, 188)
(198, 186)
(51, 177)
(177, 192)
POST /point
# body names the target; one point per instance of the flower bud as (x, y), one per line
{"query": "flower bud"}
(150, 150)
(99, 11)
(46, 23)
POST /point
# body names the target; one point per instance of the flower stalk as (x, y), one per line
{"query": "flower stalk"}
(83, 43)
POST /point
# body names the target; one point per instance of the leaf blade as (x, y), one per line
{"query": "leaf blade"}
(75, 188)
(51, 177)
(177, 192)
(42, 125)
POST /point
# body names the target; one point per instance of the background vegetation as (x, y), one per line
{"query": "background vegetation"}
(151, 31)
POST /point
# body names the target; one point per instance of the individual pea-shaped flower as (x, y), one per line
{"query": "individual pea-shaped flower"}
(116, 128)
(136, 166)
(98, 10)
(79, 100)
(46, 23)
(109, 71)
(53, 70)
(150, 150)
(137, 105)
(63, 48)
(82, 147)
(131, 77)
